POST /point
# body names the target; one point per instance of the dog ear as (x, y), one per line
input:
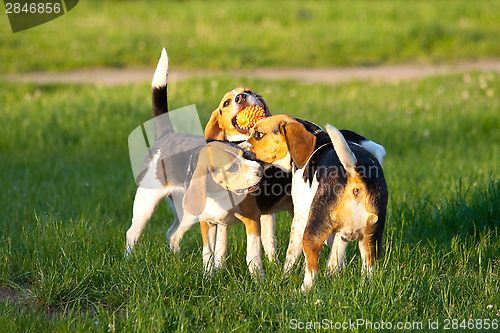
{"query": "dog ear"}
(263, 102)
(213, 131)
(195, 199)
(300, 142)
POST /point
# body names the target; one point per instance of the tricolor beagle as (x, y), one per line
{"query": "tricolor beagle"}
(203, 175)
(338, 189)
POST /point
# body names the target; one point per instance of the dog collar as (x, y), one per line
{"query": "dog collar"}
(309, 159)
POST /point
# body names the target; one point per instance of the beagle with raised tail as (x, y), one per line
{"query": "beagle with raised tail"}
(338, 190)
(214, 180)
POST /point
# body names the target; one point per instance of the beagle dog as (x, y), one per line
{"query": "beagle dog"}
(214, 180)
(338, 189)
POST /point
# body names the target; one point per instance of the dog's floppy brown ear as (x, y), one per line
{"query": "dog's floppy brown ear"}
(195, 199)
(300, 142)
(213, 131)
(263, 102)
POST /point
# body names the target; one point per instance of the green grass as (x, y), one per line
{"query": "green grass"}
(67, 189)
(229, 35)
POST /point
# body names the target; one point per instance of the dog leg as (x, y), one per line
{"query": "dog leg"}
(335, 261)
(313, 240)
(303, 195)
(220, 246)
(173, 228)
(370, 251)
(183, 222)
(254, 256)
(370, 245)
(208, 234)
(178, 229)
(367, 256)
(312, 248)
(250, 216)
(145, 203)
(295, 244)
(268, 226)
(176, 237)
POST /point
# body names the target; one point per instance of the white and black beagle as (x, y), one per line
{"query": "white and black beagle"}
(338, 190)
(214, 180)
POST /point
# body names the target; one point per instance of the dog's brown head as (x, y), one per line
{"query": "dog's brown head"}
(279, 140)
(222, 124)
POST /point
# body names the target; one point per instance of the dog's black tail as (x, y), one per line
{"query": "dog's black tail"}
(159, 97)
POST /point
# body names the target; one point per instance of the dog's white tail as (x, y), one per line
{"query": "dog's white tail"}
(161, 74)
(343, 151)
(375, 149)
(159, 97)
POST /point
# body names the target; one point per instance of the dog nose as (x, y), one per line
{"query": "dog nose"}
(240, 98)
(248, 155)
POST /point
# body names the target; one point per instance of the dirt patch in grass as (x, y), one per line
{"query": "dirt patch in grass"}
(23, 301)
(18, 298)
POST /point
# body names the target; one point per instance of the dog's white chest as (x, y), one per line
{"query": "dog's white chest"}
(220, 210)
(303, 194)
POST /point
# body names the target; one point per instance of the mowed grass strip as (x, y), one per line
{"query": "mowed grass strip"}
(67, 190)
(229, 35)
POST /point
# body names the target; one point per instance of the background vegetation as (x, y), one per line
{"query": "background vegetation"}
(232, 35)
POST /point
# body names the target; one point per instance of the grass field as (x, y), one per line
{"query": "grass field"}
(227, 35)
(66, 184)
(66, 188)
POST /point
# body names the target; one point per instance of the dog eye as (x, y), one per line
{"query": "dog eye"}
(233, 168)
(258, 135)
(227, 102)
